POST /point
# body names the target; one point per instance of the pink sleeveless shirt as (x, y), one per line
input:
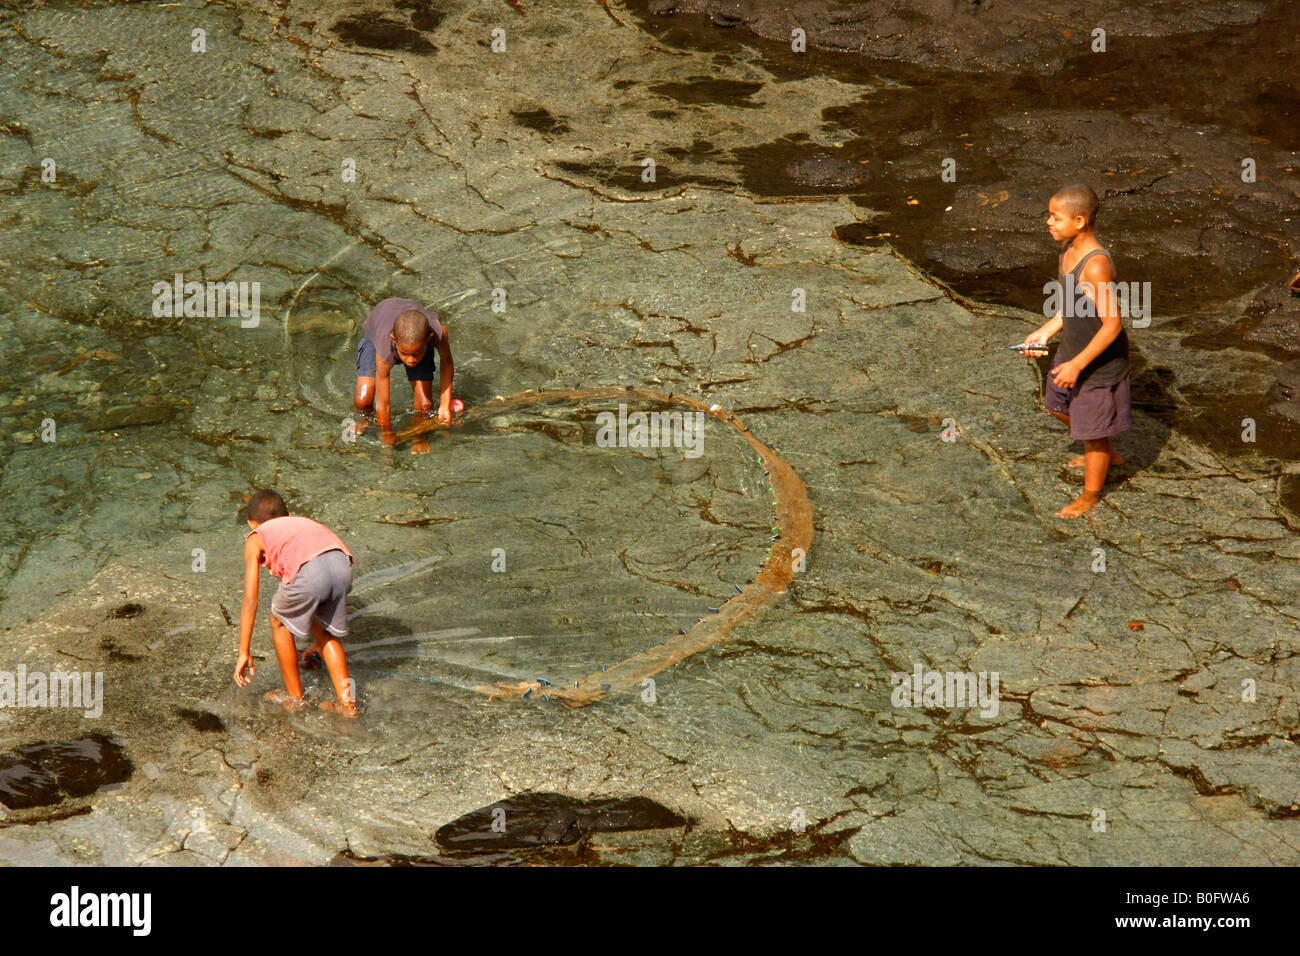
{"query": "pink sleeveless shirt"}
(291, 541)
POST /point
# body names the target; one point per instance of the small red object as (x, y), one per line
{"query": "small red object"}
(457, 406)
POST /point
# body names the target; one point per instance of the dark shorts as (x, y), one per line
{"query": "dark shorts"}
(319, 591)
(1095, 411)
(423, 372)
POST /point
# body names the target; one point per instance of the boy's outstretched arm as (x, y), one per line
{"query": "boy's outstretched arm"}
(244, 668)
(447, 371)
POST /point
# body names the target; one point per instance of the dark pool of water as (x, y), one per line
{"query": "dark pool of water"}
(45, 774)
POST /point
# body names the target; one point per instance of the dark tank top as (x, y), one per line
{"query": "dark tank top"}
(1077, 330)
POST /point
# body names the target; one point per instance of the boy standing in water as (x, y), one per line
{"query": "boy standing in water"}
(315, 569)
(402, 330)
(1088, 386)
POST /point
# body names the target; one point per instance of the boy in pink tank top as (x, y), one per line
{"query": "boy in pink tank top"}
(315, 571)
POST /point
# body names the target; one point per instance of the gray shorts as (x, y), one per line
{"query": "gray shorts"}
(1095, 411)
(319, 590)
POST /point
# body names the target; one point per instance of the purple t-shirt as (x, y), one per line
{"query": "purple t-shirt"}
(382, 318)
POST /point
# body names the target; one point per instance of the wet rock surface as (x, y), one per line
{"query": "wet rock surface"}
(1163, 122)
(1148, 702)
(969, 33)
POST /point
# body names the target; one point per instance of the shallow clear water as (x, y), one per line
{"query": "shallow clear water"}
(927, 552)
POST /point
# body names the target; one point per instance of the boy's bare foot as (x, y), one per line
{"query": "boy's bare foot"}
(283, 697)
(338, 707)
(1115, 459)
(420, 446)
(1079, 506)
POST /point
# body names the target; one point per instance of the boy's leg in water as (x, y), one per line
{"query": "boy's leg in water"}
(423, 392)
(311, 659)
(364, 399)
(337, 663)
(1096, 454)
(287, 655)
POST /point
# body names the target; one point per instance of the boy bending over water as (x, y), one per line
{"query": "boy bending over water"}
(401, 331)
(315, 571)
(1088, 387)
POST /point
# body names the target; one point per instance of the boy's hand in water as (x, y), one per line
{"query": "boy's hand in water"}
(1066, 374)
(245, 662)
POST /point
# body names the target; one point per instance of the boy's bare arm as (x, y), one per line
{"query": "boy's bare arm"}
(383, 400)
(248, 609)
(446, 374)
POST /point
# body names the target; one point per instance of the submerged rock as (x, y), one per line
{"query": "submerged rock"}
(550, 819)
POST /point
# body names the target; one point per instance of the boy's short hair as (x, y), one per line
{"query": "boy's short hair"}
(1080, 200)
(265, 505)
(411, 328)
